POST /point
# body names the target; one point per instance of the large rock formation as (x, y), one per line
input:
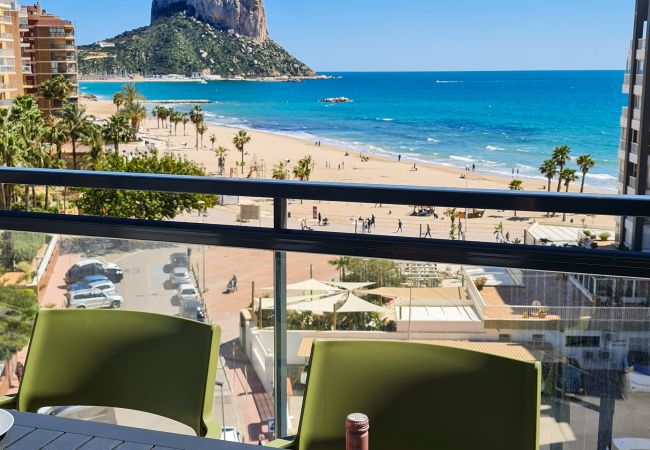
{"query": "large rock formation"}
(245, 17)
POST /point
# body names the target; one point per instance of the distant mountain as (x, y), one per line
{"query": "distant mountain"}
(229, 38)
(245, 17)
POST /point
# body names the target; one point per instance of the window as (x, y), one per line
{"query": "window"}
(583, 341)
(635, 136)
(637, 101)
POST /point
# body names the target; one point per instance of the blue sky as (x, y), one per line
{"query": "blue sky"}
(376, 35)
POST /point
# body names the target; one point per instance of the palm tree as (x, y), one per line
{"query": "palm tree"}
(221, 153)
(516, 185)
(561, 156)
(202, 130)
(197, 118)
(585, 163)
(185, 119)
(131, 94)
(548, 169)
(118, 100)
(116, 130)
(280, 171)
(452, 213)
(58, 135)
(76, 121)
(304, 168)
(498, 231)
(136, 113)
(568, 176)
(240, 140)
(155, 112)
(56, 90)
(341, 264)
(213, 140)
(93, 137)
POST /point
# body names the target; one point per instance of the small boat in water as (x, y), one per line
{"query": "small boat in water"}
(337, 100)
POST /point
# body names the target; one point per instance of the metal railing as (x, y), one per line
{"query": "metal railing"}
(280, 240)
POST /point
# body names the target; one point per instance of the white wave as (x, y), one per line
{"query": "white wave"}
(448, 81)
(432, 140)
(387, 119)
(461, 158)
(492, 148)
(600, 176)
(521, 150)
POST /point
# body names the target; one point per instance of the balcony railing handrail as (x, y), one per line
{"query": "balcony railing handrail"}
(555, 259)
(614, 205)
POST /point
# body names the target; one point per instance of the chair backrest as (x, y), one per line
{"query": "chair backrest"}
(420, 397)
(146, 362)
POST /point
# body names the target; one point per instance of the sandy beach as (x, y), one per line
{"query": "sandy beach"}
(333, 164)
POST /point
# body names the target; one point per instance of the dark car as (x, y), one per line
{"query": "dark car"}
(92, 267)
(179, 260)
(192, 309)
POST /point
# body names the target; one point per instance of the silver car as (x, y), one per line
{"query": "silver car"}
(187, 292)
(180, 275)
(92, 299)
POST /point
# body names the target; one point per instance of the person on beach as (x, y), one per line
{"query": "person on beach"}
(473, 167)
(399, 158)
(399, 226)
(373, 221)
(428, 233)
(414, 168)
(320, 219)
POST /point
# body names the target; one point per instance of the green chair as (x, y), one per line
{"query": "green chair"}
(418, 397)
(146, 362)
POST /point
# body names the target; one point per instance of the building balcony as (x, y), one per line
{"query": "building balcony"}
(6, 37)
(6, 20)
(525, 307)
(8, 87)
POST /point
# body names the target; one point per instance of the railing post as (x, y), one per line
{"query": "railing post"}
(280, 322)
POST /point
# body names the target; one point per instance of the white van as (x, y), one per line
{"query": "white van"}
(93, 298)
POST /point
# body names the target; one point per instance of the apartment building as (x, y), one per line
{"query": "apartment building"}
(49, 50)
(11, 76)
(634, 149)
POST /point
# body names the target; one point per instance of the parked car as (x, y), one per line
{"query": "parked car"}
(180, 275)
(89, 267)
(93, 298)
(187, 292)
(104, 285)
(179, 260)
(230, 434)
(192, 309)
(636, 365)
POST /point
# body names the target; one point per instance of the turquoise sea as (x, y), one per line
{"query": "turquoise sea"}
(499, 121)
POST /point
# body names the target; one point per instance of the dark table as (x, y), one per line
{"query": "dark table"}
(35, 431)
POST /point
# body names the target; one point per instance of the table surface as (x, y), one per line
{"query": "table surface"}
(35, 431)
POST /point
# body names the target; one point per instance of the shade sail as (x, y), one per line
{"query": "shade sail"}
(350, 286)
(322, 305)
(356, 304)
(310, 285)
(268, 303)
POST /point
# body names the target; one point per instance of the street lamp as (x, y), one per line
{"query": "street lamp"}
(410, 286)
(203, 214)
(223, 411)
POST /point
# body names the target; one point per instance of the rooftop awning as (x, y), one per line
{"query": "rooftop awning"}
(269, 303)
(321, 305)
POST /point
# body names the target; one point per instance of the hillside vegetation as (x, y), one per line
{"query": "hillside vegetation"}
(184, 45)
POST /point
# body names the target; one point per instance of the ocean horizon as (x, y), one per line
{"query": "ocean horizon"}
(502, 122)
